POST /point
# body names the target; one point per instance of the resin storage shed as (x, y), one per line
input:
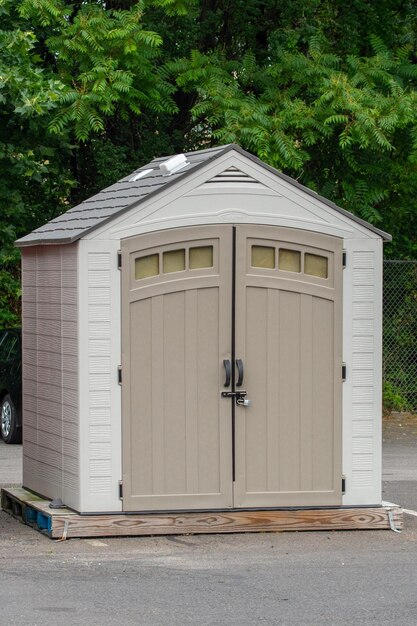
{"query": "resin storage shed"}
(204, 334)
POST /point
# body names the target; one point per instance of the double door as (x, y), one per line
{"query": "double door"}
(231, 356)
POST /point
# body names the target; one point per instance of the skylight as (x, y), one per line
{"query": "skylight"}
(140, 175)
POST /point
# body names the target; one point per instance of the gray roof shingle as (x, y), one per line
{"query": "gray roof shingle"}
(125, 193)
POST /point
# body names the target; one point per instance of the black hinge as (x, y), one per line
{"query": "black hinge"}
(344, 258)
(343, 484)
(119, 260)
(119, 374)
(120, 490)
(343, 372)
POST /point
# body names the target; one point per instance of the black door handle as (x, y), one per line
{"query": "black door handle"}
(228, 369)
(239, 365)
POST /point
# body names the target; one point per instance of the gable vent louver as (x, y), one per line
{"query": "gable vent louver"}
(233, 175)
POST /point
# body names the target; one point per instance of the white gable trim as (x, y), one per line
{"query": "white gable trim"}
(192, 201)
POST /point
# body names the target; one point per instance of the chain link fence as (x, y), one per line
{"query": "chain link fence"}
(400, 336)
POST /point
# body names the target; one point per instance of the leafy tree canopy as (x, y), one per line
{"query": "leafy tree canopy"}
(323, 90)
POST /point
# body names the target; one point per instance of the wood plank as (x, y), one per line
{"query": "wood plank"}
(71, 524)
(206, 523)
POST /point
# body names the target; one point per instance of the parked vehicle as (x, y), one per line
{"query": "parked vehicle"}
(11, 385)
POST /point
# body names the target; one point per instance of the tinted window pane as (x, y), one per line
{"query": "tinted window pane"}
(147, 266)
(263, 256)
(289, 260)
(174, 261)
(201, 257)
(315, 265)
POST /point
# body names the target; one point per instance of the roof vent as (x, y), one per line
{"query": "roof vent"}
(139, 175)
(173, 165)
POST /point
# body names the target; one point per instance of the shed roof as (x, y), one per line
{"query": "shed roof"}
(127, 192)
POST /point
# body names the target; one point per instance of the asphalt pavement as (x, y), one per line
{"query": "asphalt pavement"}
(294, 578)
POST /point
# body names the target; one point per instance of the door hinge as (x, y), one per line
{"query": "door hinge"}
(119, 374)
(343, 372)
(119, 260)
(120, 490)
(344, 259)
(343, 484)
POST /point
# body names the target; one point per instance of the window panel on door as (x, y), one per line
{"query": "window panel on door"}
(316, 265)
(174, 261)
(147, 266)
(201, 257)
(263, 256)
(289, 260)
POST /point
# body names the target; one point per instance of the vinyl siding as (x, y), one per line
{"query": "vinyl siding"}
(50, 372)
(362, 352)
(99, 316)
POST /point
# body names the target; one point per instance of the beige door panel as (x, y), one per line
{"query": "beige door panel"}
(288, 333)
(176, 429)
(177, 331)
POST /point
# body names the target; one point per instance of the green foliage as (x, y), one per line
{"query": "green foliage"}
(400, 334)
(321, 90)
(393, 400)
(105, 58)
(28, 95)
(341, 125)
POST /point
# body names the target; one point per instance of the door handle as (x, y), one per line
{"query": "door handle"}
(228, 370)
(239, 365)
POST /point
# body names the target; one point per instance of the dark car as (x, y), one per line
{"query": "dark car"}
(11, 385)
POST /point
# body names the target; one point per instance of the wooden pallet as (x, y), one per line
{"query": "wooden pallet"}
(64, 523)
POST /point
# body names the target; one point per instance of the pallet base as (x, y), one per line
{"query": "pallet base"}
(65, 524)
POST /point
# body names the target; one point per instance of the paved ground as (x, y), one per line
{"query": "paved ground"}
(399, 462)
(10, 464)
(357, 577)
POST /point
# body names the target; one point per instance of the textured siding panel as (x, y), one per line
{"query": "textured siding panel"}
(100, 432)
(363, 310)
(363, 260)
(363, 378)
(363, 361)
(99, 377)
(363, 367)
(50, 372)
(99, 261)
(363, 429)
(361, 292)
(99, 347)
(362, 344)
(362, 479)
(100, 485)
(362, 445)
(363, 462)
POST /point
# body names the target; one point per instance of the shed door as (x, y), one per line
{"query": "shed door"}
(176, 317)
(289, 338)
(212, 313)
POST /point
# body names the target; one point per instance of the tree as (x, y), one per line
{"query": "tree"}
(32, 184)
(71, 76)
(90, 89)
(346, 127)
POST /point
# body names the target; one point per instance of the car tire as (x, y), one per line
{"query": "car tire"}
(9, 430)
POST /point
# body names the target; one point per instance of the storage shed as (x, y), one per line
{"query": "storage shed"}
(205, 334)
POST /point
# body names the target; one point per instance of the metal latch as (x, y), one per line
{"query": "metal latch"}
(240, 397)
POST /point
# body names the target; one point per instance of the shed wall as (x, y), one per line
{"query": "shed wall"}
(362, 349)
(362, 332)
(100, 393)
(50, 372)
